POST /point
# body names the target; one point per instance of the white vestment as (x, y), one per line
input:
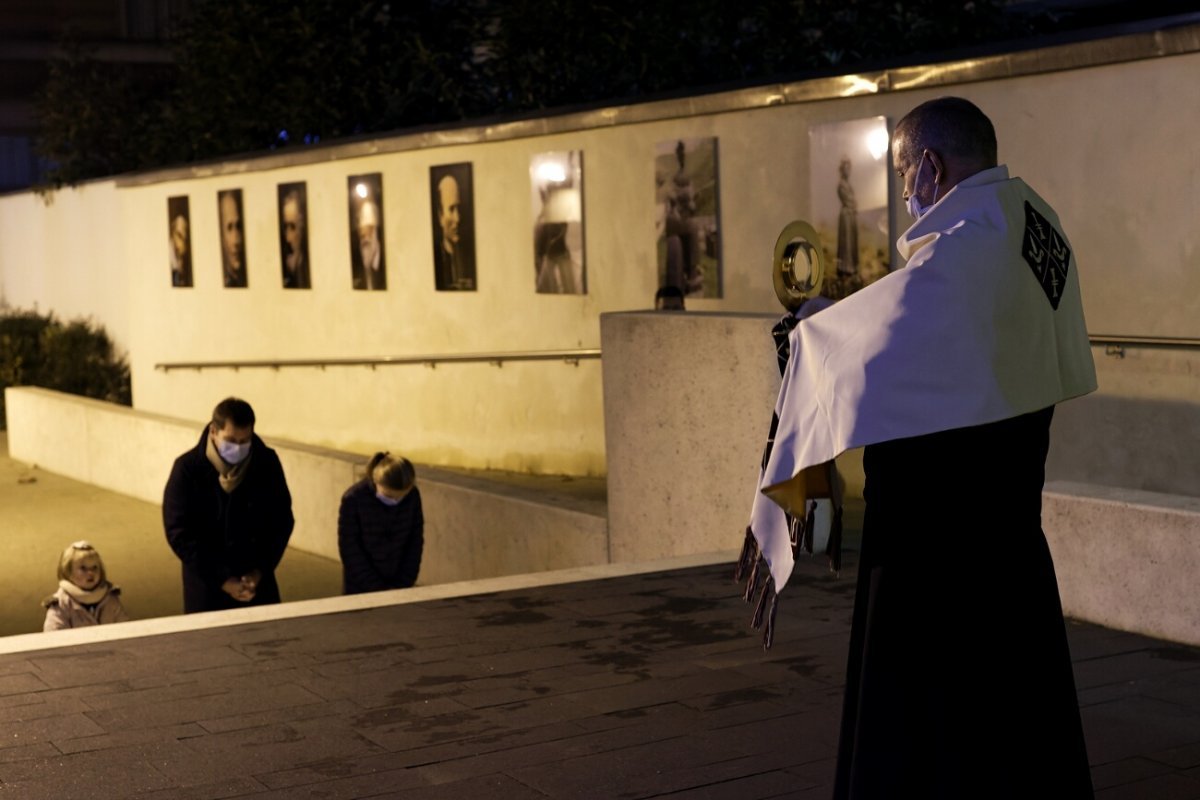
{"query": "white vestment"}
(969, 332)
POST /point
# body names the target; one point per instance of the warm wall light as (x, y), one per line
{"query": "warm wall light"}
(853, 85)
(551, 172)
(877, 142)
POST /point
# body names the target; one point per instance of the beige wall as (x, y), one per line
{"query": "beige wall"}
(64, 253)
(1121, 173)
(469, 533)
(1140, 431)
(534, 416)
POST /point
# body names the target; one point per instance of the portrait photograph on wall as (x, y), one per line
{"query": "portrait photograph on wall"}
(368, 267)
(849, 201)
(233, 244)
(179, 232)
(687, 216)
(293, 235)
(556, 180)
(452, 204)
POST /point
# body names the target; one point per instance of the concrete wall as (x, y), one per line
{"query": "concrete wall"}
(1126, 559)
(688, 399)
(1123, 182)
(1140, 430)
(537, 417)
(469, 533)
(63, 252)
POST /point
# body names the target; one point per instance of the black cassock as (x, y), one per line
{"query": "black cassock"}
(959, 681)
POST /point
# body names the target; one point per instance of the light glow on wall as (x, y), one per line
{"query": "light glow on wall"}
(877, 141)
(552, 172)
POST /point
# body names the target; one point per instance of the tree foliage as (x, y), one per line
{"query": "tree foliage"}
(100, 118)
(76, 357)
(250, 75)
(255, 74)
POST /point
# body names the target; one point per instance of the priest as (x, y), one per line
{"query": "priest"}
(958, 680)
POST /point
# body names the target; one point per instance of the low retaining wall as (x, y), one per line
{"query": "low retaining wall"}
(470, 533)
(1125, 558)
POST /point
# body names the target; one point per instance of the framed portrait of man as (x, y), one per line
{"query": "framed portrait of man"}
(368, 266)
(452, 204)
(687, 217)
(293, 235)
(849, 201)
(556, 180)
(233, 244)
(179, 232)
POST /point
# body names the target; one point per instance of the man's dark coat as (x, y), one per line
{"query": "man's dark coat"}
(219, 535)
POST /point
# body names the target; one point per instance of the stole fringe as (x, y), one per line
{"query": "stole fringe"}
(756, 620)
(748, 556)
(752, 582)
(752, 566)
(769, 633)
(760, 612)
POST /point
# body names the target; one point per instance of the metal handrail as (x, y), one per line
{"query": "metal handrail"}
(496, 359)
(1115, 345)
(1148, 341)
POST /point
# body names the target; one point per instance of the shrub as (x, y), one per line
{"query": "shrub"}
(76, 357)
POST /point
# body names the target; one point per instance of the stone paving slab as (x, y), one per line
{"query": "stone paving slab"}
(641, 686)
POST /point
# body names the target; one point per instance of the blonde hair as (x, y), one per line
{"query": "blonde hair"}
(73, 553)
(393, 472)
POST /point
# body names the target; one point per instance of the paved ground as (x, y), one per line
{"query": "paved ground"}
(631, 687)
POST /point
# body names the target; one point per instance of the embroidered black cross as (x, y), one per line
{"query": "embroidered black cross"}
(1046, 252)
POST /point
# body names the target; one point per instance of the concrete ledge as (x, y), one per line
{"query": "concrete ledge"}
(470, 532)
(688, 399)
(687, 406)
(1125, 558)
(334, 605)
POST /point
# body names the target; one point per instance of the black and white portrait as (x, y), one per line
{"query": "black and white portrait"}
(233, 244)
(452, 205)
(293, 235)
(688, 219)
(179, 231)
(368, 266)
(558, 254)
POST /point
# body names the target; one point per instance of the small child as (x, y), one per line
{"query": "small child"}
(84, 596)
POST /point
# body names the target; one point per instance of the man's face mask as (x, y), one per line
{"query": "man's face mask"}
(232, 452)
(915, 209)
